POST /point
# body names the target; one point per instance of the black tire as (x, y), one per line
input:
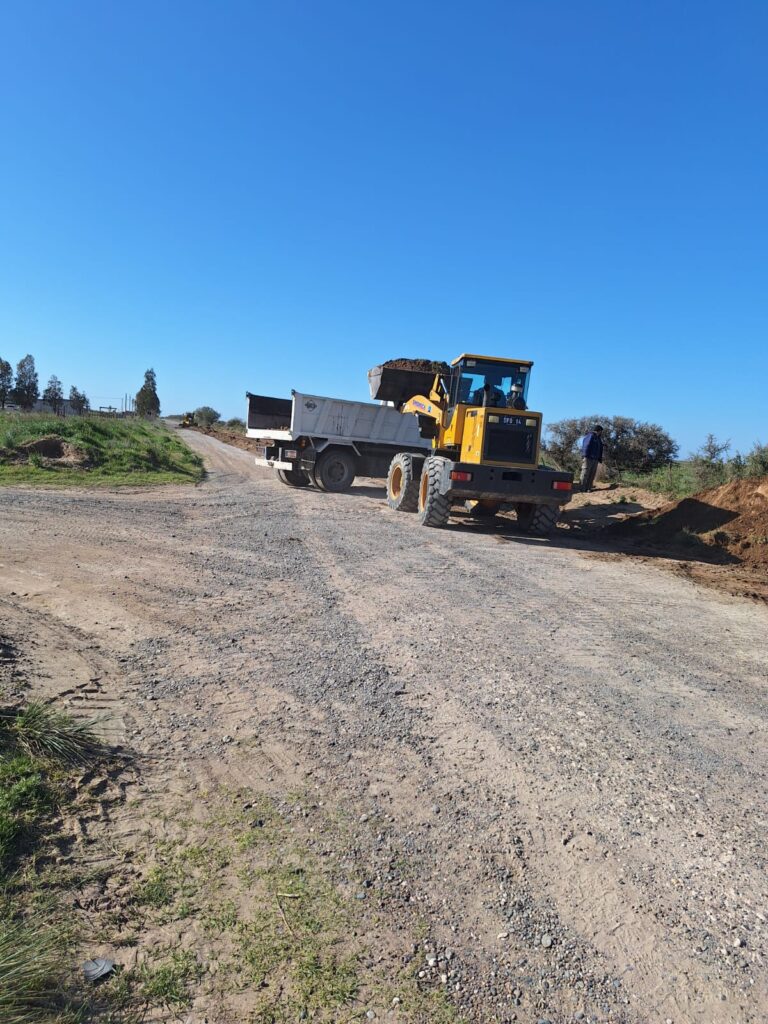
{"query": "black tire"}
(478, 511)
(293, 477)
(335, 470)
(403, 483)
(434, 507)
(538, 520)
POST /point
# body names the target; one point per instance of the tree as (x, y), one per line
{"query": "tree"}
(147, 402)
(78, 401)
(206, 416)
(27, 388)
(54, 394)
(712, 451)
(6, 382)
(629, 444)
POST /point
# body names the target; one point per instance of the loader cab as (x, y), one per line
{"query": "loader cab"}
(480, 380)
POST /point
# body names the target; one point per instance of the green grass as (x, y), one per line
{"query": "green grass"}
(39, 749)
(31, 975)
(678, 480)
(110, 452)
(167, 982)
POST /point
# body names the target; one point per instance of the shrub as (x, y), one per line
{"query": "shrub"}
(206, 416)
(236, 425)
(756, 462)
(629, 444)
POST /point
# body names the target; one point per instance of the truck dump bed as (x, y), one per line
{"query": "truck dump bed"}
(332, 419)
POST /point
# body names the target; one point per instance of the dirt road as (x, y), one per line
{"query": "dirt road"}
(558, 763)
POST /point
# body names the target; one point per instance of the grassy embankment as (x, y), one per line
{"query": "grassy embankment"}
(90, 450)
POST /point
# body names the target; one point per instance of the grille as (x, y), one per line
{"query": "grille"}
(510, 444)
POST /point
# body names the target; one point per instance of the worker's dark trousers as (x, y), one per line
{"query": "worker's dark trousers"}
(588, 470)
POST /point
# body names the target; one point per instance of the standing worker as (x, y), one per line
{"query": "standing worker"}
(591, 456)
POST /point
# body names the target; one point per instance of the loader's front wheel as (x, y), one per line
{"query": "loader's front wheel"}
(293, 477)
(434, 507)
(538, 520)
(403, 483)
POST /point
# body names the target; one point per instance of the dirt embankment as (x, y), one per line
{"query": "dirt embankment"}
(229, 437)
(731, 519)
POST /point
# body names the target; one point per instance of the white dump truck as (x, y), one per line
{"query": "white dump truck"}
(328, 441)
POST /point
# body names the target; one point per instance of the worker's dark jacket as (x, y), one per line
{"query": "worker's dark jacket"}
(592, 446)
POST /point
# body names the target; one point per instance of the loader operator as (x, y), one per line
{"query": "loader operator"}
(490, 394)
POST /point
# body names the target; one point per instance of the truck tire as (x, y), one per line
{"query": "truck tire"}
(403, 483)
(335, 470)
(293, 477)
(434, 507)
(538, 520)
(479, 511)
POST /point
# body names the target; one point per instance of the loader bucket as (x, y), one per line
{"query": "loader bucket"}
(393, 384)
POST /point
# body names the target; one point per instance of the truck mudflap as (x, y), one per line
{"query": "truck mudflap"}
(540, 486)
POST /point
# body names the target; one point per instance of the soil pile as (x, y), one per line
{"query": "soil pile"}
(53, 450)
(732, 518)
(237, 440)
(419, 365)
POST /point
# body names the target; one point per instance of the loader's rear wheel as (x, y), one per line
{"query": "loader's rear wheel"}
(480, 511)
(538, 520)
(293, 477)
(335, 471)
(434, 507)
(403, 483)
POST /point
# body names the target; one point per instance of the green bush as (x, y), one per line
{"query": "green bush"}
(630, 445)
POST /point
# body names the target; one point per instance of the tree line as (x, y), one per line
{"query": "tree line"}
(23, 390)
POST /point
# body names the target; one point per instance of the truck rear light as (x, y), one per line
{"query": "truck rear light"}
(457, 474)
(562, 485)
(290, 453)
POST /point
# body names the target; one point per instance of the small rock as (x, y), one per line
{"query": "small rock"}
(370, 1015)
(503, 935)
(226, 739)
(546, 941)
(738, 943)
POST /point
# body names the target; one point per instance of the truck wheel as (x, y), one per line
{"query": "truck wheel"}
(403, 483)
(335, 471)
(538, 520)
(479, 511)
(293, 477)
(434, 507)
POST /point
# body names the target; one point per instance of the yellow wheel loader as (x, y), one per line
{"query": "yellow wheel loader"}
(485, 442)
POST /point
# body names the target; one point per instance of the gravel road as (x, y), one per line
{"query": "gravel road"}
(558, 761)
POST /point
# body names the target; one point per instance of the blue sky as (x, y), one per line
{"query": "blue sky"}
(280, 194)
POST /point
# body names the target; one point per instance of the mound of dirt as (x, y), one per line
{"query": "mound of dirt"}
(732, 518)
(50, 447)
(237, 440)
(53, 450)
(420, 365)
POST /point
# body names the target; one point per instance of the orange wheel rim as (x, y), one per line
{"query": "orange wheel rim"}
(396, 482)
